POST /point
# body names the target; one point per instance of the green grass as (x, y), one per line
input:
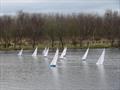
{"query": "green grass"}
(77, 46)
(92, 44)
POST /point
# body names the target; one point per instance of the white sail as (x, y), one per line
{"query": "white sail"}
(85, 55)
(101, 58)
(55, 58)
(20, 52)
(63, 53)
(35, 52)
(46, 52)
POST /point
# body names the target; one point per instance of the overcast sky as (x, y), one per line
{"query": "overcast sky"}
(60, 6)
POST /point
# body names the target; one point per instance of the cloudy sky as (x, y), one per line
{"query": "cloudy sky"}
(60, 6)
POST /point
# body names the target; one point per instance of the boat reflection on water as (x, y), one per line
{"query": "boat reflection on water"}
(102, 75)
(55, 76)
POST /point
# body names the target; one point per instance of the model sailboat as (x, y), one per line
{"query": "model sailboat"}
(46, 52)
(85, 55)
(35, 52)
(63, 53)
(55, 58)
(20, 52)
(101, 58)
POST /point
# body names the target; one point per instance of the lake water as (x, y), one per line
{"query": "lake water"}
(71, 73)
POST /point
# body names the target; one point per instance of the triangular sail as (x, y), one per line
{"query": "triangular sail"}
(85, 55)
(46, 52)
(35, 52)
(101, 58)
(20, 52)
(55, 58)
(63, 53)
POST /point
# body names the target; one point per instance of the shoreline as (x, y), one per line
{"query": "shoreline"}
(30, 48)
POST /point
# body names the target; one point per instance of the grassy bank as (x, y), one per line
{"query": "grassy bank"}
(77, 46)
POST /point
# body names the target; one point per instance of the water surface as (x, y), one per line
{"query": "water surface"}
(33, 73)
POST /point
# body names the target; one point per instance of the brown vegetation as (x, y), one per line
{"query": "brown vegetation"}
(48, 29)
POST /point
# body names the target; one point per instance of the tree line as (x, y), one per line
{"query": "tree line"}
(77, 30)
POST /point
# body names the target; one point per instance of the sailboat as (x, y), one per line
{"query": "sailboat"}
(85, 55)
(101, 58)
(63, 53)
(20, 52)
(35, 52)
(55, 58)
(46, 52)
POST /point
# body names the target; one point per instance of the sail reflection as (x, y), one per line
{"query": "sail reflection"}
(35, 58)
(55, 77)
(46, 60)
(102, 75)
(20, 59)
(86, 68)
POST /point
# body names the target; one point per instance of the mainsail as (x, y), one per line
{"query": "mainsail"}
(63, 53)
(101, 58)
(20, 52)
(35, 52)
(55, 58)
(46, 52)
(85, 55)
